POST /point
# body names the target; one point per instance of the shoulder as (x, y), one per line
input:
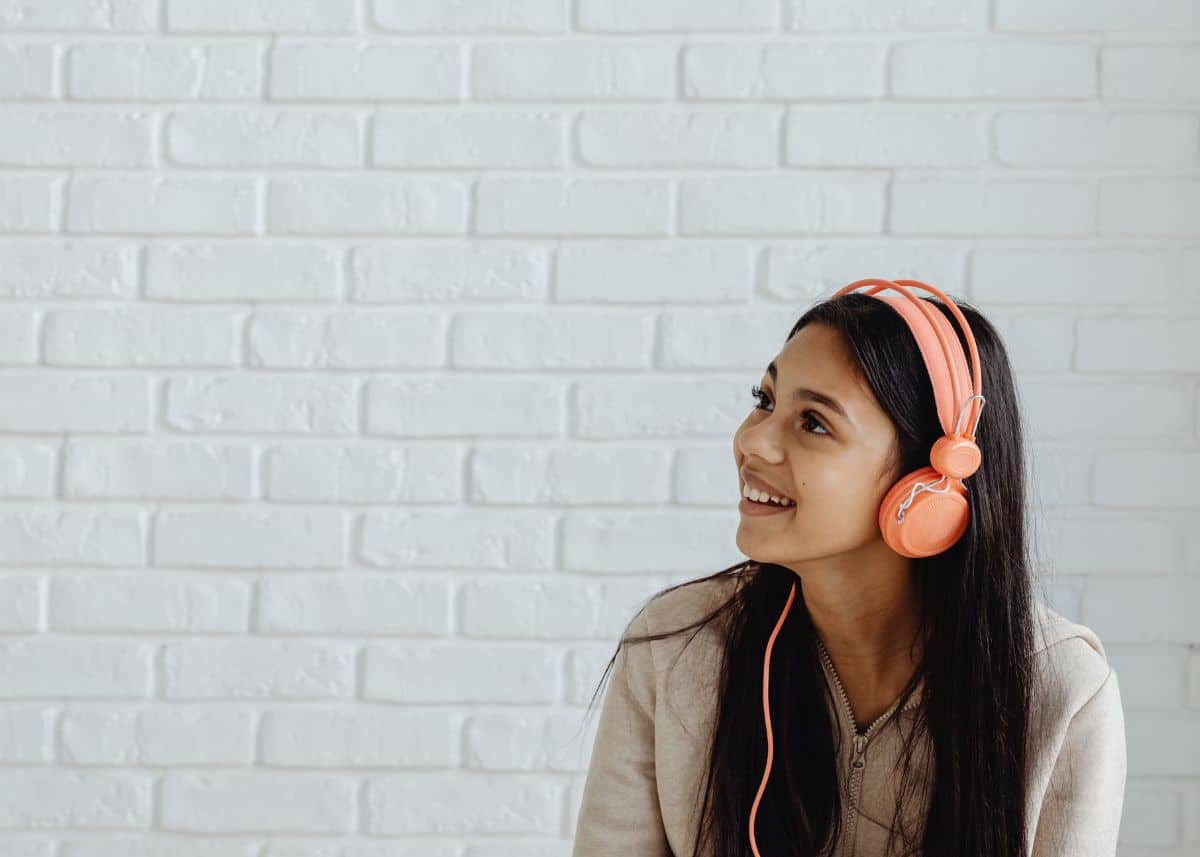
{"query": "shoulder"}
(1076, 738)
(694, 651)
(1070, 663)
(681, 605)
(679, 674)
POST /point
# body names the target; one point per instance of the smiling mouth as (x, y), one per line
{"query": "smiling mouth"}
(754, 495)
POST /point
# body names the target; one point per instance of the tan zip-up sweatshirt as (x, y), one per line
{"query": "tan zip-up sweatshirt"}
(642, 794)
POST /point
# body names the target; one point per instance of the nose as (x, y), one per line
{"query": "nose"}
(761, 440)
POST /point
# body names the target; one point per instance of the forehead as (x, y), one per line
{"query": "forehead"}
(817, 356)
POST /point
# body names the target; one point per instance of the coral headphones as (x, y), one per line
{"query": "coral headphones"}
(917, 517)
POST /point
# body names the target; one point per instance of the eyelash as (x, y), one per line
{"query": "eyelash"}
(759, 394)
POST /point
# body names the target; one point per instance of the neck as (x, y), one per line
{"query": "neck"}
(866, 615)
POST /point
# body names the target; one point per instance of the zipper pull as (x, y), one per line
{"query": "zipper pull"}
(860, 747)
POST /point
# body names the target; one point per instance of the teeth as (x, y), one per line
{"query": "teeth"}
(762, 497)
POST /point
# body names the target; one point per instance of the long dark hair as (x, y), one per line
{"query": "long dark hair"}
(976, 614)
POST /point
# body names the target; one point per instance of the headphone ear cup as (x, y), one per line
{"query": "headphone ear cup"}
(932, 523)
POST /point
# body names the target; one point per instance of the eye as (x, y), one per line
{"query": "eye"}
(757, 392)
(806, 416)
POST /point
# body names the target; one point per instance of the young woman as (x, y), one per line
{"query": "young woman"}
(833, 695)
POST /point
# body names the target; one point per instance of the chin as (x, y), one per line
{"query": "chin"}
(754, 548)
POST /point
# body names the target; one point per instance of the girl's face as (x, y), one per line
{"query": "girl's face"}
(828, 457)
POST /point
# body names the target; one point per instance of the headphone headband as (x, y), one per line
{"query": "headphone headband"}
(957, 383)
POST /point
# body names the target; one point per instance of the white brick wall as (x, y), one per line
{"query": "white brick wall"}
(366, 362)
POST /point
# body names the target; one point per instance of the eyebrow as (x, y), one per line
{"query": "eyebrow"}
(806, 393)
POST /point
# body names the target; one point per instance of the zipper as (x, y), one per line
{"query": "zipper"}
(857, 761)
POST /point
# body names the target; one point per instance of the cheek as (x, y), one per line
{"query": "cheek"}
(830, 482)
